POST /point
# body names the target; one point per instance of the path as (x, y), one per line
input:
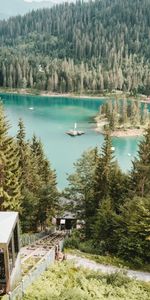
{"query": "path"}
(86, 263)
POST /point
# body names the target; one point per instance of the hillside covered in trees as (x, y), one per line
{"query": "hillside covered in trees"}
(115, 206)
(79, 47)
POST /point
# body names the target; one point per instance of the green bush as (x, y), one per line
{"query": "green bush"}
(67, 282)
(71, 242)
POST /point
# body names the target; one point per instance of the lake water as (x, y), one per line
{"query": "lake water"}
(50, 117)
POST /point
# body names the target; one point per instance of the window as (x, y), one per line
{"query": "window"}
(10, 255)
(2, 268)
(16, 244)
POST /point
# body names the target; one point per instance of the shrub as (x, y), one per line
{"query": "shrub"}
(67, 282)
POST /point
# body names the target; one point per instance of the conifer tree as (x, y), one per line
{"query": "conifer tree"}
(47, 190)
(80, 188)
(133, 230)
(124, 112)
(22, 148)
(105, 165)
(10, 190)
(140, 174)
(104, 227)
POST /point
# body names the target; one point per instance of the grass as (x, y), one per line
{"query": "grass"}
(29, 264)
(108, 260)
(67, 282)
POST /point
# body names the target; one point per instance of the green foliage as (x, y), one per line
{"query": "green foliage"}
(65, 281)
(117, 212)
(103, 171)
(10, 189)
(48, 49)
(140, 174)
(101, 259)
(72, 243)
(105, 226)
(81, 185)
(29, 264)
(117, 114)
(74, 240)
(27, 182)
(133, 243)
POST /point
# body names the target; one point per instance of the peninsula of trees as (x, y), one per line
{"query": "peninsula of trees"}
(122, 117)
(73, 48)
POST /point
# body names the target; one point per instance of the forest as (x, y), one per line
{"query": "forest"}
(27, 181)
(73, 48)
(125, 115)
(114, 205)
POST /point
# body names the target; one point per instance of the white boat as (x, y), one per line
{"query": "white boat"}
(75, 132)
(113, 148)
(31, 108)
(80, 132)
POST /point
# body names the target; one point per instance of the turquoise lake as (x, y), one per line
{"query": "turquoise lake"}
(50, 117)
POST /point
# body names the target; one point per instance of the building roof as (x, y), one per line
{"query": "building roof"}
(7, 224)
(67, 215)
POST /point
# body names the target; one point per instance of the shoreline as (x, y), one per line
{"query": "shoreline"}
(122, 133)
(32, 92)
(99, 128)
(130, 132)
(50, 94)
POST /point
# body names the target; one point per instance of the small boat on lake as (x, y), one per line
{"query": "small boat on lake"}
(113, 148)
(80, 132)
(75, 132)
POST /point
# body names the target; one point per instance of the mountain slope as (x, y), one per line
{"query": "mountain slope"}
(84, 46)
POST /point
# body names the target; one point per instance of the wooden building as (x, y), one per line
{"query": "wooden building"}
(66, 222)
(10, 266)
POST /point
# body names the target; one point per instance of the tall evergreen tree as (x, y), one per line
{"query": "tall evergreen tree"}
(104, 168)
(10, 190)
(140, 174)
(80, 188)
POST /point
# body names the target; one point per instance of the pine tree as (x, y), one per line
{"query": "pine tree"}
(105, 165)
(22, 148)
(140, 174)
(10, 190)
(104, 228)
(124, 113)
(47, 191)
(80, 189)
(133, 231)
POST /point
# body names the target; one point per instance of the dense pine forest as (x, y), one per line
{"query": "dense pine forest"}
(115, 115)
(114, 206)
(27, 182)
(79, 47)
(89, 47)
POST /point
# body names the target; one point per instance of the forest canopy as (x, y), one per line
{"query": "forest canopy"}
(79, 47)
